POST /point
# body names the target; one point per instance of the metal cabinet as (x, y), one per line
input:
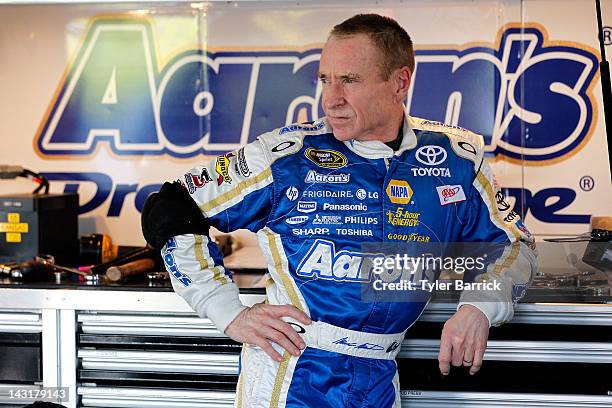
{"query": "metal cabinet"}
(147, 349)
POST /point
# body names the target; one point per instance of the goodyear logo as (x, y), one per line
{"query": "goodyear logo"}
(399, 191)
(330, 159)
(117, 95)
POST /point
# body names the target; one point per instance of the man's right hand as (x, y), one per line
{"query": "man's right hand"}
(262, 323)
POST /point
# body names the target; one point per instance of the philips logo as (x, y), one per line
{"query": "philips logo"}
(546, 89)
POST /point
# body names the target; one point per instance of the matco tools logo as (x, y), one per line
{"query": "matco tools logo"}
(115, 95)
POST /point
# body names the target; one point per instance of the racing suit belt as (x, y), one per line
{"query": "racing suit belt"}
(325, 336)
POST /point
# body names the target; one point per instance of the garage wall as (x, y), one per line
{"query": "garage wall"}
(110, 100)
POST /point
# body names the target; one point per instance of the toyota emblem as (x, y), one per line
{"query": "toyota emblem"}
(431, 155)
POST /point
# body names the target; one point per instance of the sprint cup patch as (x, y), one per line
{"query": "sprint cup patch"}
(329, 159)
(450, 194)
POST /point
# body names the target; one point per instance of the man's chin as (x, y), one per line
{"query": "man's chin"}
(342, 134)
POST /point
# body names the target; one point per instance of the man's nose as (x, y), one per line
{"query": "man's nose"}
(333, 96)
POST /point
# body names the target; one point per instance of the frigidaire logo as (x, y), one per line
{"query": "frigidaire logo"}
(116, 96)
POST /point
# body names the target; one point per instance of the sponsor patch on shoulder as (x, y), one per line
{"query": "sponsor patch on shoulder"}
(222, 167)
(450, 194)
(241, 165)
(304, 126)
(436, 123)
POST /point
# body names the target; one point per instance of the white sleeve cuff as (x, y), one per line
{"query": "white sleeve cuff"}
(497, 313)
(222, 310)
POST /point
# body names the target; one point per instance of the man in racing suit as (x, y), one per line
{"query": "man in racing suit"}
(314, 193)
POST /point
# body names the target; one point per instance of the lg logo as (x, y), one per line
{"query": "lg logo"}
(431, 155)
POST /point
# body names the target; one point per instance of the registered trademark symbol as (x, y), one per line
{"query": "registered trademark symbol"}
(607, 35)
(587, 183)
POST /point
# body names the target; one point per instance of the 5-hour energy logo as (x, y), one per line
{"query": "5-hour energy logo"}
(116, 95)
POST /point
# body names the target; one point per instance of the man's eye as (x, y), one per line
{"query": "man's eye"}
(349, 80)
(323, 80)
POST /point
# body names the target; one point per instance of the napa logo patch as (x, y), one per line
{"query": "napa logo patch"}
(330, 159)
(399, 191)
(117, 96)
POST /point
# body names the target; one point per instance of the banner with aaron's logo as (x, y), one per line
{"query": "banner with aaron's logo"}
(112, 100)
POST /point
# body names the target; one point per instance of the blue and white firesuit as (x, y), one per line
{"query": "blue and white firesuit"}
(313, 201)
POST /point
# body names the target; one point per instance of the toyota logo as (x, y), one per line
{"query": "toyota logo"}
(431, 155)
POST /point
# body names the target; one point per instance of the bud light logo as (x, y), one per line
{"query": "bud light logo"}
(124, 102)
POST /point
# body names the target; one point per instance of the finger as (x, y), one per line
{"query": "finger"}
(444, 356)
(288, 331)
(268, 349)
(282, 340)
(292, 311)
(458, 352)
(468, 355)
(478, 357)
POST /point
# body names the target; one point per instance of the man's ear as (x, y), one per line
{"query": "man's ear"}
(403, 76)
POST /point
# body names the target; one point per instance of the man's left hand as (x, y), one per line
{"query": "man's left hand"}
(464, 340)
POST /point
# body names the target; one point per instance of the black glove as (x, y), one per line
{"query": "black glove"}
(171, 212)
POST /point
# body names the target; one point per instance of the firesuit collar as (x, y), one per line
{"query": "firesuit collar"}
(374, 149)
(397, 142)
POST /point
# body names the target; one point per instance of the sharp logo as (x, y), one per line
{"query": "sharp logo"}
(116, 96)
